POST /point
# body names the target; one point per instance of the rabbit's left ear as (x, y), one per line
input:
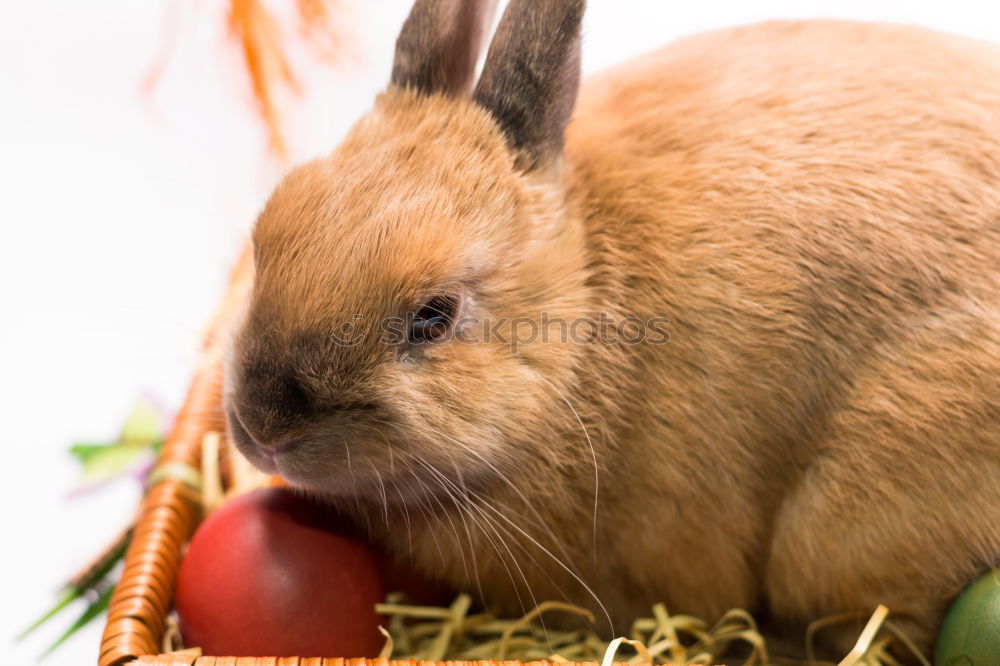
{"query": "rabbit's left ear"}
(439, 45)
(531, 76)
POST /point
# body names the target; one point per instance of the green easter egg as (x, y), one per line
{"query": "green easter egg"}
(970, 634)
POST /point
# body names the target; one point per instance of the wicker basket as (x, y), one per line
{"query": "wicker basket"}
(168, 515)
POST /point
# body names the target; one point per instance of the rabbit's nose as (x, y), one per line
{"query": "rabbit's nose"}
(272, 403)
(252, 443)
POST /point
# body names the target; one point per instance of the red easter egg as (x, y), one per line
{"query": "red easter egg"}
(264, 575)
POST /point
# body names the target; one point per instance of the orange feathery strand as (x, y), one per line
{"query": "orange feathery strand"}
(265, 47)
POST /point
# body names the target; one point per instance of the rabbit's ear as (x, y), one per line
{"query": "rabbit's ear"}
(531, 76)
(439, 44)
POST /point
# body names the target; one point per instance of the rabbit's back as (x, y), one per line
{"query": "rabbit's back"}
(820, 135)
(793, 192)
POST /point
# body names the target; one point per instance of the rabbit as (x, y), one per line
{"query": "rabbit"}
(718, 327)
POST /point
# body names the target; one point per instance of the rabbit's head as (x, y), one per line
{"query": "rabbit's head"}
(398, 326)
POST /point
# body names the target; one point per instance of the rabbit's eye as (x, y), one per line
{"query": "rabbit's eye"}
(433, 322)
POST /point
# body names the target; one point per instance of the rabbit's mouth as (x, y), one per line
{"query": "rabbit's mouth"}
(403, 483)
(363, 466)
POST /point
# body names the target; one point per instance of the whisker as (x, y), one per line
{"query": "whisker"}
(503, 561)
(406, 518)
(559, 562)
(484, 520)
(528, 504)
(593, 454)
(454, 528)
(425, 510)
(402, 500)
(472, 548)
(385, 501)
(458, 539)
(354, 479)
(475, 560)
(493, 525)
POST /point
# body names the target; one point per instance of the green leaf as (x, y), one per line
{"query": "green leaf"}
(143, 425)
(70, 595)
(83, 450)
(90, 579)
(93, 610)
(142, 434)
(113, 460)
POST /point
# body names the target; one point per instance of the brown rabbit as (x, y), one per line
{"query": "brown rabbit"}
(814, 207)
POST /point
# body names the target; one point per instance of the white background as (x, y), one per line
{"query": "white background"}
(120, 215)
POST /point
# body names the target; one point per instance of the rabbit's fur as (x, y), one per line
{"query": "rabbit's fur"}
(814, 206)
